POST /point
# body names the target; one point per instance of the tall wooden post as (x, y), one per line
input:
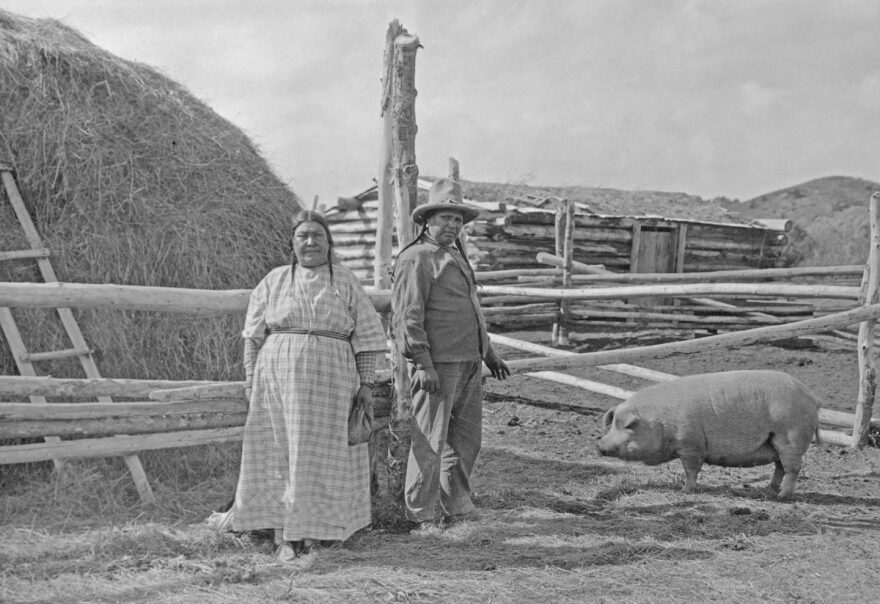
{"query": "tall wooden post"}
(564, 248)
(869, 295)
(385, 221)
(405, 178)
(398, 189)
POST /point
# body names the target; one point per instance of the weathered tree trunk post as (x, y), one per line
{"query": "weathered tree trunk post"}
(558, 246)
(565, 249)
(398, 184)
(385, 221)
(867, 371)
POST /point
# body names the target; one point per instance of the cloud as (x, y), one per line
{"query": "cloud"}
(755, 98)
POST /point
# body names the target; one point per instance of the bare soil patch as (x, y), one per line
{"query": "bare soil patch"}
(557, 522)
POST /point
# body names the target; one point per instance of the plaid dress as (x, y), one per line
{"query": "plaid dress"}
(298, 472)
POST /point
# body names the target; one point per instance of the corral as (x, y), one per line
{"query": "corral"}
(558, 522)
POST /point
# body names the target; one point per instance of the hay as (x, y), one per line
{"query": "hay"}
(131, 180)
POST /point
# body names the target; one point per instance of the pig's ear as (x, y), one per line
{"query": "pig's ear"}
(631, 422)
(608, 418)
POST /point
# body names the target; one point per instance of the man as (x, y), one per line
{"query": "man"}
(439, 329)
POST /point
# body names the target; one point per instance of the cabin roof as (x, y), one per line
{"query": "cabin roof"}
(600, 202)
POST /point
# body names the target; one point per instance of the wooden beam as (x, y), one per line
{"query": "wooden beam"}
(22, 386)
(740, 338)
(684, 289)
(115, 445)
(202, 302)
(764, 274)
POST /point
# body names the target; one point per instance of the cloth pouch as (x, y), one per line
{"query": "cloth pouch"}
(360, 427)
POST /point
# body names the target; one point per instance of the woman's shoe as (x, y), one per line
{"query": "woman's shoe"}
(311, 546)
(285, 552)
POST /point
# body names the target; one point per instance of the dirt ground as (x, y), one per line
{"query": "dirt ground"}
(556, 522)
(844, 482)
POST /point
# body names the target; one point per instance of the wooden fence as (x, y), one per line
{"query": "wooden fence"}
(180, 414)
(190, 421)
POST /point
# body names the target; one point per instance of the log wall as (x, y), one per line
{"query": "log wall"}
(506, 237)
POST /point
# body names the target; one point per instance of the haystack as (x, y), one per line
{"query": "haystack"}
(131, 180)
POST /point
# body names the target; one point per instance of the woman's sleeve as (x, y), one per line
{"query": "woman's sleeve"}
(368, 362)
(369, 335)
(254, 331)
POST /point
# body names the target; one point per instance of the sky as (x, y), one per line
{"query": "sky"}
(707, 97)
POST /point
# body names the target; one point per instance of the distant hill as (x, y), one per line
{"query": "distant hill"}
(830, 217)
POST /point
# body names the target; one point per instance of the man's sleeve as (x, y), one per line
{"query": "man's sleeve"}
(409, 293)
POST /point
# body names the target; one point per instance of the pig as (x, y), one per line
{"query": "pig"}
(730, 418)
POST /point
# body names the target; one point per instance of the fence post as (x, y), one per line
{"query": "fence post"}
(869, 295)
(564, 236)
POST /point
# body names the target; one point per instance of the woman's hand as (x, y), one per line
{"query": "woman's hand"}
(364, 398)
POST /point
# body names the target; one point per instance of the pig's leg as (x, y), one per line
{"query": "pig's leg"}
(692, 464)
(788, 484)
(792, 467)
(791, 459)
(778, 473)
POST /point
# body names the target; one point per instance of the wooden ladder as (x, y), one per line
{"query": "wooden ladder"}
(79, 348)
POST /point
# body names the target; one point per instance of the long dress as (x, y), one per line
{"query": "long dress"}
(298, 472)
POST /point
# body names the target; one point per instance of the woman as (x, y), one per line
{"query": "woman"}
(313, 342)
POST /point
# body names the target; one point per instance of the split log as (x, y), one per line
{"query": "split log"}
(755, 275)
(520, 321)
(713, 320)
(686, 289)
(725, 240)
(202, 302)
(834, 437)
(623, 368)
(843, 419)
(354, 226)
(741, 338)
(24, 420)
(115, 446)
(23, 386)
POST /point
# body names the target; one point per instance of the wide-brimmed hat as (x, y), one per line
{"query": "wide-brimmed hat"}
(444, 194)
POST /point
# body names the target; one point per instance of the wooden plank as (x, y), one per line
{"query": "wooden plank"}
(584, 384)
(54, 355)
(32, 385)
(25, 254)
(684, 289)
(623, 368)
(635, 247)
(116, 445)
(201, 302)
(13, 412)
(110, 426)
(835, 437)
(842, 418)
(740, 338)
